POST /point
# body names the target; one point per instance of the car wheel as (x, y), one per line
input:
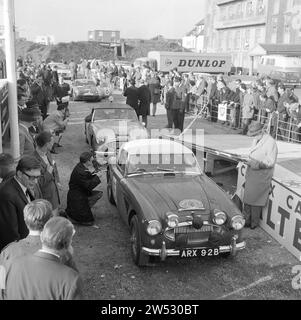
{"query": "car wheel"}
(110, 191)
(139, 258)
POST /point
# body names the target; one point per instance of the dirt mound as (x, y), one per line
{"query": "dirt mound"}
(92, 50)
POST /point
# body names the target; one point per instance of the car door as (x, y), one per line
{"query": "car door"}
(117, 185)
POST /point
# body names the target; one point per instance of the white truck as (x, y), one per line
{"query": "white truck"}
(191, 62)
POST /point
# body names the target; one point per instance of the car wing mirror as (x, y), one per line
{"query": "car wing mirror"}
(112, 161)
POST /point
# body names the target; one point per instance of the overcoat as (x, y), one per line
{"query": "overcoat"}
(144, 100)
(155, 89)
(131, 94)
(42, 276)
(27, 143)
(12, 203)
(81, 185)
(48, 182)
(258, 178)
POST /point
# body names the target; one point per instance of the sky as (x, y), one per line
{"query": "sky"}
(70, 20)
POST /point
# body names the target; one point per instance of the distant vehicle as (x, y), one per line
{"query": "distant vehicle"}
(212, 63)
(86, 90)
(282, 69)
(170, 206)
(140, 62)
(109, 126)
(104, 89)
(63, 70)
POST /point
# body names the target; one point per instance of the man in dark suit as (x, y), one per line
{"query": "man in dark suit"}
(7, 167)
(44, 275)
(144, 96)
(17, 192)
(81, 197)
(27, 117)
(40, 95)
(131, 94)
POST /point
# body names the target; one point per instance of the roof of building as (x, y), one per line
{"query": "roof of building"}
(202, 22)
(291, 50)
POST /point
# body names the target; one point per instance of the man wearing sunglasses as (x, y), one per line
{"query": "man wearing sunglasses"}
(15, 194)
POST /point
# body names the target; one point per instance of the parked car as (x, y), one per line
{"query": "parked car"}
(109, 126)
(85, 90)
(170, 206)
(63, 70)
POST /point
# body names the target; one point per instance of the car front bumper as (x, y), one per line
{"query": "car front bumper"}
(163, 253)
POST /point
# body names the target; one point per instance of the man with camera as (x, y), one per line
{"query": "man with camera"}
(81, 195)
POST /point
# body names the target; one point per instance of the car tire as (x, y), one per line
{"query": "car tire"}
(110, 191)
(139, 258)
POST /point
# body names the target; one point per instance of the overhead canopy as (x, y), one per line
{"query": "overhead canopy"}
(289, 50)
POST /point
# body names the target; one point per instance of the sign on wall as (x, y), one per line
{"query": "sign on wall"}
(281, 217)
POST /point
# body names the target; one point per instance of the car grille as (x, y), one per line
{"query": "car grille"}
(190, 229)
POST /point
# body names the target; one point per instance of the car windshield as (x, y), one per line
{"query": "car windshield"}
(115, 114)
(166, 163)
(82, 83)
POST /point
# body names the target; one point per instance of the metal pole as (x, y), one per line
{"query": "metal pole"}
(9, 32)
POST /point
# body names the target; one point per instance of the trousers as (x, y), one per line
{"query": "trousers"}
(252, 215)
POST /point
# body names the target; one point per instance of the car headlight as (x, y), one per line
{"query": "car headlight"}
(100, 139)
(154, 228)
(238, 222)
(219, 217)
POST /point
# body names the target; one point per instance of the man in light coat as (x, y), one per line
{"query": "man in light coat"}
(261, 164)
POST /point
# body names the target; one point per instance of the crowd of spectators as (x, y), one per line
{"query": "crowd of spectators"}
(262, 100)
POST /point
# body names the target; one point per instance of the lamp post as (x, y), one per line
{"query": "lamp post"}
(9, 33)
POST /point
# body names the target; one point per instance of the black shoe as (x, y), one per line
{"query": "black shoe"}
(54, 152)
(253, 227)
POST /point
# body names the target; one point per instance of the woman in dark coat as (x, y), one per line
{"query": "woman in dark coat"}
(81, 197)
(144, 96)
(155, 90)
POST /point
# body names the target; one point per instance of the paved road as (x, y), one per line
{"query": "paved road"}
(262, 271)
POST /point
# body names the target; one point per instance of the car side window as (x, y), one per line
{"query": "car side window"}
(122, 161)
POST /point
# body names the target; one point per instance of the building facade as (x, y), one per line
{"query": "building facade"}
(46, 40)
(105, 36)
(237, 26)
(194, 39)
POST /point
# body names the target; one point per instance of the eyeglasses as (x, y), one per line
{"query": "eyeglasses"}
(32, 178)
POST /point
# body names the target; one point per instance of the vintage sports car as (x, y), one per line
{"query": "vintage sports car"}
(171, 207)
(111, 125)
(105, 89)
(85, 90)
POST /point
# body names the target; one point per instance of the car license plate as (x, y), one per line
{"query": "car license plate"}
(194, 253)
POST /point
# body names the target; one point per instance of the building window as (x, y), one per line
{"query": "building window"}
(276, 6)
(223, 13)
(237, 40)
(258, 36)
(249, 8)
(231, 14)
(260, 8)
(274, 30)
(246, 45)
(239, 12)
(287, 29)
